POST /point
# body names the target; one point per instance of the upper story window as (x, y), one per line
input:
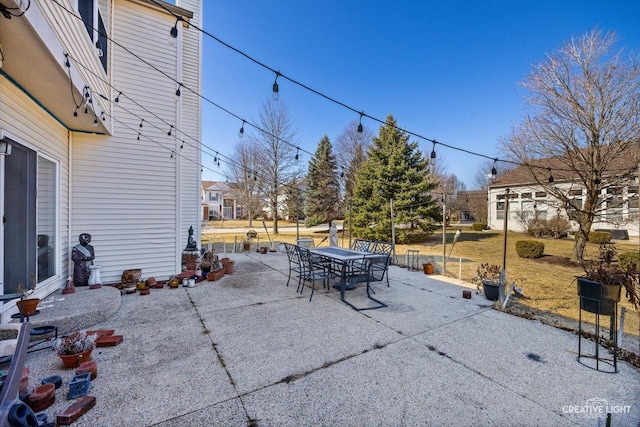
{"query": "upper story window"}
(94, 23)
(213, 197)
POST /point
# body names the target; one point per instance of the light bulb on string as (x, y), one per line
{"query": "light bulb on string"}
(550, 177)
(241, 132)
(117, 97)
(360, 124)
(170, 129)
(178, 92)
(102, 116)
(99, 49)
(172, 154)
(173, 32)
(275, 88)
(66, 60)
(138, 136)
(141, 121)
(433, 150)
(95, 121)
(182, 145)
(494, 171)
(297, 156)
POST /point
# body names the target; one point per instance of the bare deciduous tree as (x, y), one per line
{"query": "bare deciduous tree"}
(585, 123)
(276, 144)
(244, 169)
(351, 152)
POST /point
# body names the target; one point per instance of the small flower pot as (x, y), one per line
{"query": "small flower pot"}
(145, 291)
(428, 268)
(28, 306)
(491, 290)
(74, 360)
(228, 267)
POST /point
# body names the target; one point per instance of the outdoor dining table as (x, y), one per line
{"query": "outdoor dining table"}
(344, 257)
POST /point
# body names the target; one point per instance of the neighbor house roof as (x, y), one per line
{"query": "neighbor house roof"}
(540, 170)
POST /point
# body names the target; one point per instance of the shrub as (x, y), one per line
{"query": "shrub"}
(626, 259)
(529, 249)
(479, 226)
(556, 227)
(599, 237)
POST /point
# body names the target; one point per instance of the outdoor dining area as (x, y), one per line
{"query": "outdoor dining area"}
(366, 261)
(248, 350)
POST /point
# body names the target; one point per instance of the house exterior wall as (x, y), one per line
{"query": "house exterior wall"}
(529, 200)
(26, 123)
(134, 198)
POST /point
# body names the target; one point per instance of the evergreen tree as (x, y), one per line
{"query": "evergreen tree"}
(394, 169)
(322, 199)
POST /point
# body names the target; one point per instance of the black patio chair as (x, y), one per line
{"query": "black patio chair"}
(295, 266)
(381, 269)
(314, 268)
(361, 245)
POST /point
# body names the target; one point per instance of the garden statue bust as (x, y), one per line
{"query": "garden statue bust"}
(191, 243)
(82, 256)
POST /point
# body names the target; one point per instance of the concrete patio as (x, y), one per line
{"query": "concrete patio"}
(249, 351)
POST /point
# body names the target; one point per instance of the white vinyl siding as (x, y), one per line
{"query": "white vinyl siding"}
(125, 191)
(28, 124)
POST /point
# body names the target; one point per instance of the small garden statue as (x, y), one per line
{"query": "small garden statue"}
(82, 256)
(191, 243)
(333, 234)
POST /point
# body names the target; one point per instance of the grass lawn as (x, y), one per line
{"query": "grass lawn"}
(548, 283)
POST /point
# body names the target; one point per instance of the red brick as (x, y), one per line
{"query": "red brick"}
(109, 341)
(89, 366)
(42, 397)
(76, 410)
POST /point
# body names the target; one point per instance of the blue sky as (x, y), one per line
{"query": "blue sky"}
(447, 70)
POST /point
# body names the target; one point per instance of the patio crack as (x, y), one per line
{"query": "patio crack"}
(250, 421)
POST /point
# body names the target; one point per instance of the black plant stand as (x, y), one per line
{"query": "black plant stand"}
(606, 308)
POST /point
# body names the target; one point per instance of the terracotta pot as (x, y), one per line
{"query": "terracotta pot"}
(228, 267)
(246, 246)
(145, 291)
(428, 268)
(28, 306)
(74, 360)
(215, 275)
(151, 282)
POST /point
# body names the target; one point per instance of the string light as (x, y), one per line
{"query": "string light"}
(215, 158)
(138, 136)
(173, 32)
(177, 97)
(172, 154)
(95, 121)
(102, 116)
(75, 112)
(141, 121)
(99, 48)
(550, 176)
(360, 124)
(297, 156)
(118, 97)
(182, 145)
(170, 129)
(494, 172)
(66, 60)
(433, 150)
(241, 132)
(276, 89)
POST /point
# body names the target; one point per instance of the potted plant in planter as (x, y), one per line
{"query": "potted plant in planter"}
(27, 306)
(490, 276)
(601, 286)
(75, 348)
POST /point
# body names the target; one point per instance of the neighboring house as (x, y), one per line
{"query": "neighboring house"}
(220, 202)
(133, 188)
(618, 211)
